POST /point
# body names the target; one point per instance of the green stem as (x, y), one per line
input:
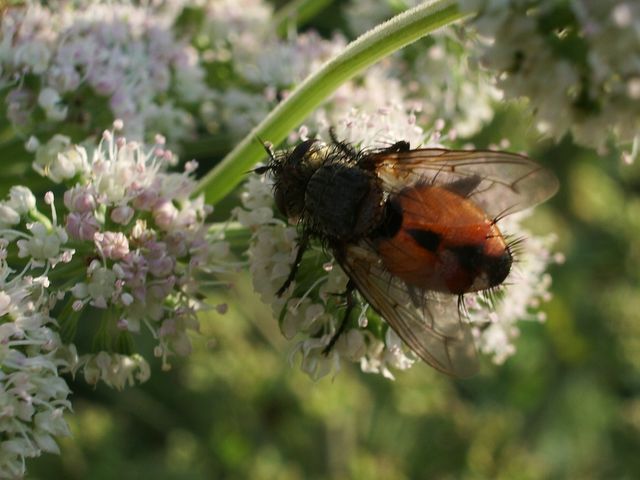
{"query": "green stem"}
(42, 218)
(374, 45)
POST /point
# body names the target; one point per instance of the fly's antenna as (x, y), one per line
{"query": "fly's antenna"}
(268, 147)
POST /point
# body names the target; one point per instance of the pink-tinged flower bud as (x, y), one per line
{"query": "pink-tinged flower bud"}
(79, 199)
(176, 244)
(160, 289)
(114, 245)
(67, 256)
(165, 214)
(77, 305)
(161, 267)
(82, 226)
(191, 166)
(122, 215)
(146, 200)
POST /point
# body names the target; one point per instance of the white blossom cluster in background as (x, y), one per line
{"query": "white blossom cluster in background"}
(313, 317)
(441, 70)
(33, 397)
(77, 66)
(457, 90)
(363, 15)
(122, 251)
(268, 67)
(577, 63)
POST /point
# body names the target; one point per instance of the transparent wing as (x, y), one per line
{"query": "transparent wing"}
(498, 182)
(427, 322)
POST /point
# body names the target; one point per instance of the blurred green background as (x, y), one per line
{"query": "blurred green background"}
(567, 405)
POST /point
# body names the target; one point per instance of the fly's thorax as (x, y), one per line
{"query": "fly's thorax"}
(343, 202)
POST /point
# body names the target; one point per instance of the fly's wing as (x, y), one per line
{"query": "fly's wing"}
(498, 182)
(427, 322)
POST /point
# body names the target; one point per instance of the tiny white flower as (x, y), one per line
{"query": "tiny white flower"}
(43, 244)
(50, 101)
(21, 199)
(101, 286)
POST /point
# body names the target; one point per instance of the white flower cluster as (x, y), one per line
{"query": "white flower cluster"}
(268, 68)
(455, 88)
(578, 64)
(442, 73)
(143, 239)
(33, 397)
(126, 257)
(313, 316)
(80, 65)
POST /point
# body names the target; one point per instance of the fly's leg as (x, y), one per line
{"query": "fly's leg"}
(343, 324)
(302, 247)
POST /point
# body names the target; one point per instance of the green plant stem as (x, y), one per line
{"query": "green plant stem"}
(360, 54)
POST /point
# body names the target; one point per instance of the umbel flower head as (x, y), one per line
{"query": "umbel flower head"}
(140, 238)
(33, 397)
(312, 308)
(123, 253)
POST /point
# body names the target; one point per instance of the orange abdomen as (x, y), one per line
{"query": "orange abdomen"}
(444, 243)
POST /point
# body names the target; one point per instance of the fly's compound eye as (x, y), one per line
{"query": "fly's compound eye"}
(301, 151)
(281, 201)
